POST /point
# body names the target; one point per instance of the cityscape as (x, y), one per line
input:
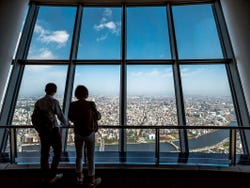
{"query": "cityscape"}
(146, 111)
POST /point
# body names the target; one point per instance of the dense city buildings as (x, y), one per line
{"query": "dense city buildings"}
(146, 111)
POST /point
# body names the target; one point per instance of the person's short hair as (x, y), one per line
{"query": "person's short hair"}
(81, 92)
(50, 88)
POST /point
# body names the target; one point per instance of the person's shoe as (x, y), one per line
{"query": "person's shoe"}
(79, 178)
(96, 183)
(56, 178)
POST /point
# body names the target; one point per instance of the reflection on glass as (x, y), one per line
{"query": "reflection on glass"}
(208, 101)
(147, 33)
(150, 95)
(32, 88)
(53, 33)
(100, 36)
(196, 33)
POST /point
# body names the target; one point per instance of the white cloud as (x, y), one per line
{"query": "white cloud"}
(35, 68)
(107, 12)
(42, 53)
(107, 26)
(153, 73)
(190, 72)
(102, 37)
(59, 37)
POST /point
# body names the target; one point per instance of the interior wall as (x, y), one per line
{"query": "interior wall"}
(237, 15)
(11, 16)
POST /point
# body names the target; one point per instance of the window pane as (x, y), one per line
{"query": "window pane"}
(151, 99)
(141, 146)
(53, 33)
(103, 83)
(147, 33)
(35, 78)
(208, 101)
(196, 32)
(100, 34)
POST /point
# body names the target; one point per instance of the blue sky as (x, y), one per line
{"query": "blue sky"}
(147, 38)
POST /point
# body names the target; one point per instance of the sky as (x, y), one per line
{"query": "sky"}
(147, 38)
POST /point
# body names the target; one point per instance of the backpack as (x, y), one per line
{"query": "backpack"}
(40, 121)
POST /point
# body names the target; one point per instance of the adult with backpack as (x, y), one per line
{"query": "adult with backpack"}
(44, 119)
(84, 115)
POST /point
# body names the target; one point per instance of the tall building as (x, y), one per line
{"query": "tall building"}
(169, 77)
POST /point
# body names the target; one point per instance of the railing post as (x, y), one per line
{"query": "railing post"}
(157, 146)
(232, 147)
(12, 132)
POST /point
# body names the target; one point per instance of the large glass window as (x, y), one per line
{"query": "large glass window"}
(100, 34)
(145, 87)
(208, 101)
(53, 33)
(196, 32)
(147, 33)
(103, 83)
(150, 101)
(150, 95)
(207, 96)
(32, 88)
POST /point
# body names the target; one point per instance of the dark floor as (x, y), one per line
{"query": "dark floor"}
(133, 177)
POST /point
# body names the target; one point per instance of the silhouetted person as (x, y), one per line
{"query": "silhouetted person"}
(49, 134)
(84, 115)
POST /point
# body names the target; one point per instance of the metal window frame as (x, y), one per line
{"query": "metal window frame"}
(229, 60)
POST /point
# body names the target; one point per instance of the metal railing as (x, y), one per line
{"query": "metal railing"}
(232, 136)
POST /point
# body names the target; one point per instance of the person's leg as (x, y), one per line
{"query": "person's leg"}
(57, 150)
(44, 155)
(79, 144)
(90, 144)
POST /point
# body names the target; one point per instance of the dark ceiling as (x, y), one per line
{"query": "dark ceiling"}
(114, 1)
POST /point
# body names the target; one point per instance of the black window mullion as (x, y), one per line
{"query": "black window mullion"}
(123, 91)
(177, 82)
(71, 69)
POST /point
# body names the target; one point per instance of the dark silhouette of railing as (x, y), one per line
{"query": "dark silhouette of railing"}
(231, 128)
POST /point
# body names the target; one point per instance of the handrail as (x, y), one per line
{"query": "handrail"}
(146, 127)
(232, 135)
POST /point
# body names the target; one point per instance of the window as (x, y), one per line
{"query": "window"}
(125, 56)
(208, 101)
(100, 34)
(52, 35)
(147, 33)
(196, 32)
